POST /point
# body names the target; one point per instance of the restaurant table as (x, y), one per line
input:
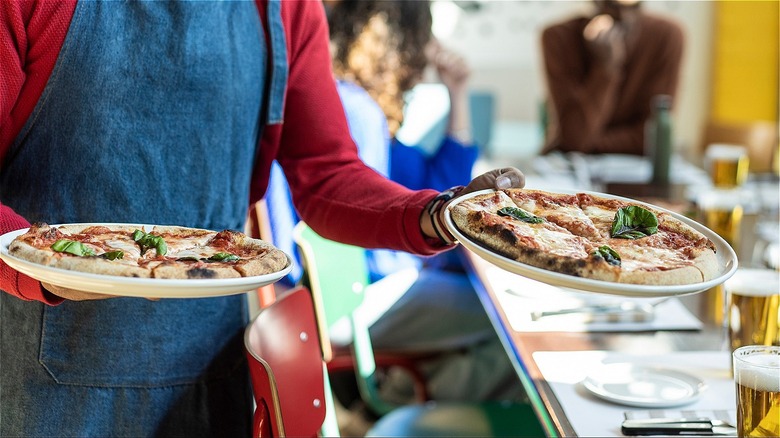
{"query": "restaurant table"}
(525, 348)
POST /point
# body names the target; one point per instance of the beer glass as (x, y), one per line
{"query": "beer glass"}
(721, 211)
(757, 379)
(754, 307)
(728, 164)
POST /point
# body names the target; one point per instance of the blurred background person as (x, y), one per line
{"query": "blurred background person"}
(602, 72)
(380, 51)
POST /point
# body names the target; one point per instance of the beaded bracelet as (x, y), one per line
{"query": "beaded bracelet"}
(434, 210)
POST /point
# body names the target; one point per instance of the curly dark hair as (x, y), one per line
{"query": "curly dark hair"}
(380, 45)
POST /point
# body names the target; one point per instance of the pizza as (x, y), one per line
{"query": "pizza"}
(165, 252)
(589, 236)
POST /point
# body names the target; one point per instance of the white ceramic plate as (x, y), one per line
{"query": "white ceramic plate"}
(644, 386)
(135, 287)
(727, 261)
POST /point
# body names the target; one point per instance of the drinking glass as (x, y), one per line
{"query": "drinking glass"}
(728, 164)
(757, 379)
(754, 307)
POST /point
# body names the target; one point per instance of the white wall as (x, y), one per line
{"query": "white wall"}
(501, 42)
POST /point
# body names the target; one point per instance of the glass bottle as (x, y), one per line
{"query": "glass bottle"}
(658, 138)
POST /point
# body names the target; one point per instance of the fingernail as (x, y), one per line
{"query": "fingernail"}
(503, 182)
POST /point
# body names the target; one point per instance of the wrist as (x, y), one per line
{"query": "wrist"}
(432, 218)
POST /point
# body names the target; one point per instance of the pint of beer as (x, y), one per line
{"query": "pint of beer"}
(728, 164)
(757, 377)
(754, 307)
(721, 211)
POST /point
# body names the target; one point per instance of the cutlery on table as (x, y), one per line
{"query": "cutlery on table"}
(677, 426)
(626, 311)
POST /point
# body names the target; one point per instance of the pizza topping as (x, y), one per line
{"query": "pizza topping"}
(634, 222)
(113, 255)
(148, 240)
(520, 214)
(218, 257)
(223, 257)
(608, 254)
(72, 247)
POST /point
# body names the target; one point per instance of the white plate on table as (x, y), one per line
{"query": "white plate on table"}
(644, 386)
(727, 260)
(135, 287)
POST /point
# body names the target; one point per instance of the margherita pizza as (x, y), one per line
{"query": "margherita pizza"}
(165, 252)
(588, 236)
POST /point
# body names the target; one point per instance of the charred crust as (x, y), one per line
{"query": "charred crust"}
(201, 273)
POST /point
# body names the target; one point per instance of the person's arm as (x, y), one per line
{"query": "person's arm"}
(334, 191)
(582, 100)
(31, 34)
(11, 280)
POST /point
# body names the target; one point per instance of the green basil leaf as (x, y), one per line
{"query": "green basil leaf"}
(188, 259)
(160, 246)
(520, 214)
(72, 247)
(113, 255)
(147, 241)
(634, 222)
(608, 254)
(223, 257)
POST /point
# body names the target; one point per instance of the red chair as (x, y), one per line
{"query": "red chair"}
(285, 363)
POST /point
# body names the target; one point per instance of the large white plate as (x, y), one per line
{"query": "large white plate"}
(135, 287)
(727, 260)
(644, 386)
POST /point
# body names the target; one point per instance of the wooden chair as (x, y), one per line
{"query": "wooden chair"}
(337, 279)
(285, 364)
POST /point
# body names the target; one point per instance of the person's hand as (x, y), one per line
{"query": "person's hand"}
(432, 224)
(74, 295)
(605, 40)
(452, 68)
(506, 178)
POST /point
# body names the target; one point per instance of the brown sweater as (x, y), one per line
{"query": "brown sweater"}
(593, 110)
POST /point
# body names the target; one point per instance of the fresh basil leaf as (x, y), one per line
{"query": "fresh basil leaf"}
(72, 247)
(113, 255)
(223, 257)
(147, 241)
(608, 254)
(188, 259)
(634, 222)
(520, 214)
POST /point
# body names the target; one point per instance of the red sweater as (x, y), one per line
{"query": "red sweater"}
(595, 110)
(334, 191)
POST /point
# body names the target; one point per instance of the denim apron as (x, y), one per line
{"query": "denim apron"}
(151, 115)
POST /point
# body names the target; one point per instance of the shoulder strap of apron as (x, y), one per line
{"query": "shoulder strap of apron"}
(278, 69)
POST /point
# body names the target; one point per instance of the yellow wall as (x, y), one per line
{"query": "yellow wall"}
(746, 52)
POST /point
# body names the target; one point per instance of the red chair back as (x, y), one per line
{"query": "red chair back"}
(285, 363)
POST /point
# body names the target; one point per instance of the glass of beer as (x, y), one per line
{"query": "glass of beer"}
(728, 164)
(721, 211)
(754, 307)
(757, 378)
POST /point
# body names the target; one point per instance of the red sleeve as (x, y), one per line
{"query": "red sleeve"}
(31, 34)
(334, 191)
(11, 280)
